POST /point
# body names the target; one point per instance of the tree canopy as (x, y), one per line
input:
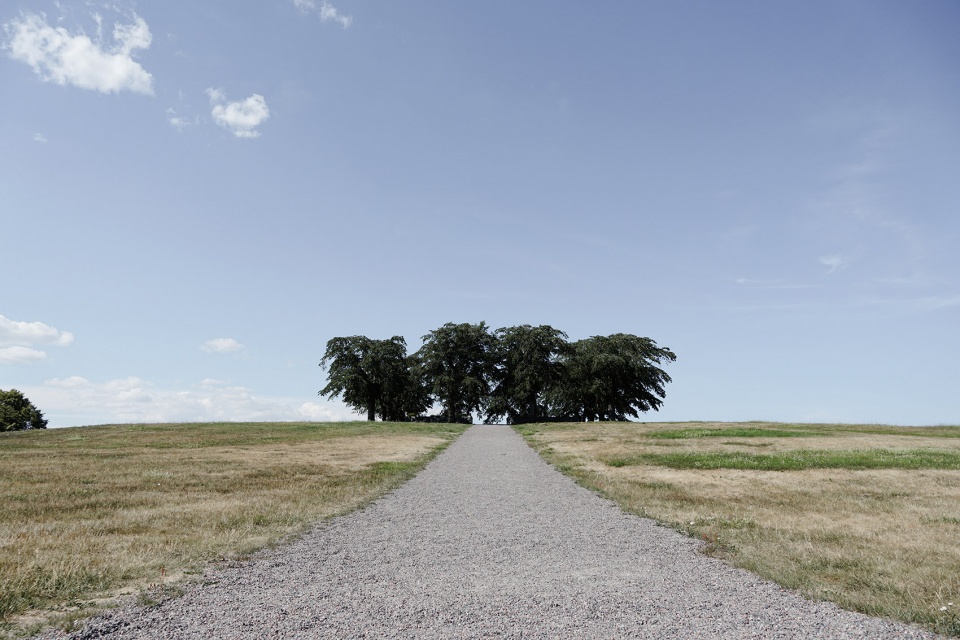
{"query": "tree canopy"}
(457, 361)
(529, 370)
(612, 377)
(374, 376)
(17, 413)
(521, 374)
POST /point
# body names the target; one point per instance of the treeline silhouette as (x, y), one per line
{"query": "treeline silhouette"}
(518, 374)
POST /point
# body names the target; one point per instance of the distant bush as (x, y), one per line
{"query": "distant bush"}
(17, 413)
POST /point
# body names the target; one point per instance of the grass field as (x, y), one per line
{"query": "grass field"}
(866, 516)
(88, 514)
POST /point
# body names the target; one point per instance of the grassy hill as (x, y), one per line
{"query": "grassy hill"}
(867, 516)
(91, 513)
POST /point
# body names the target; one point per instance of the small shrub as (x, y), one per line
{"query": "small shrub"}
(17, 413)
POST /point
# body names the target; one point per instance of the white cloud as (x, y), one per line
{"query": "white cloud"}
(132, 36)
(75, 400)
(63, 58)
(221, 345)
(18, 338)
(241, 118)
(327, 12)
(314, 412)
(20, 355)
(39, 137)
(14, 333)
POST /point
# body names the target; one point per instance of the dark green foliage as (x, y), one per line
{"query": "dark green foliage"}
(457, 361)
(416, 398)
(524, 374)
(17, 413)
(374, 376)
(529, 369)
(612, 377)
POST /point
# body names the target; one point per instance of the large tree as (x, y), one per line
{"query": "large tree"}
(373, 376)
(457, 362)
(17, 413)
(612, 377)
(529, 369)
(409, 398)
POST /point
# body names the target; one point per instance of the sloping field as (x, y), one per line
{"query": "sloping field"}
(488, 541)
(867, 516)
(90, 513)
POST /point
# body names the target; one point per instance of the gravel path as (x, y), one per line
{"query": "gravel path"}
(489, 541)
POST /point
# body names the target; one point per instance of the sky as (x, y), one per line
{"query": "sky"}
(195, 197)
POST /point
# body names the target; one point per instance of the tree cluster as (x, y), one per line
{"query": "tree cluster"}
(17, 413)
(520, 374)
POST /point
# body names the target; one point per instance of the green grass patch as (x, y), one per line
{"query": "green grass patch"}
(943, 431)
(797, 460)
(732, 432)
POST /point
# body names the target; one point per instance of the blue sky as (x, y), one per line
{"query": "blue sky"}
(196, 197)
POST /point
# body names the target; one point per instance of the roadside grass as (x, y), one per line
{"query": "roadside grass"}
(730, 432)
(867, 516)
(90, 514)
(797, 460)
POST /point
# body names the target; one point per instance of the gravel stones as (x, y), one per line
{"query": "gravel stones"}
(488, 541)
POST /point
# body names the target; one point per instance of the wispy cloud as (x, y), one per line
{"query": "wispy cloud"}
(936, 303)
(858, 212)
(221, 345)
(177, 121)
(326, 11)
(137, 400)
(863, 217)
(329, 13)
(305, 6)
(923, 304)
(18, 338)
(241, 118)
(916, 280)
(754, 283)
(834, 263)
(175, 117)
(58, 56)
(39, 137)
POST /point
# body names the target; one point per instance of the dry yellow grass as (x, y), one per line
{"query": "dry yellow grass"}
(95, 512)
(881, 541)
